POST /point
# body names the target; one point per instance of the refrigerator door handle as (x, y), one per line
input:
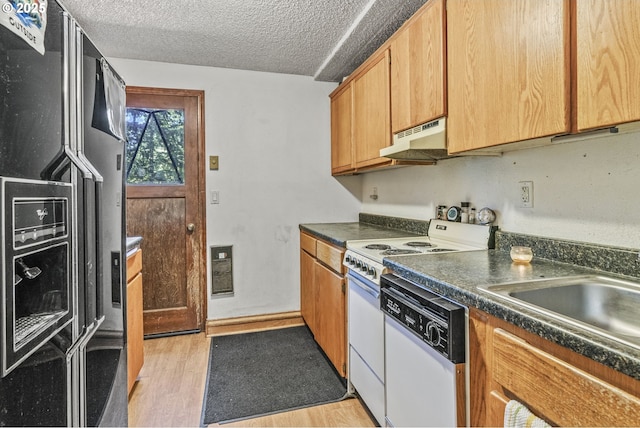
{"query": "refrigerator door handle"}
(65, 157)
(62, 162)
(93, 268)
(99, 314)
(76, 358)
(93, 206)
(84, 339)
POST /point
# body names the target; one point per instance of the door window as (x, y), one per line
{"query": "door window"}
(155, 146)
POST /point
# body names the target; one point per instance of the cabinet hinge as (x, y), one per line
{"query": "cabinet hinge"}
(344, 367)
(344, 288)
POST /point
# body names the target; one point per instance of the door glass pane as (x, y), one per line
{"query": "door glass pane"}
(155, 146)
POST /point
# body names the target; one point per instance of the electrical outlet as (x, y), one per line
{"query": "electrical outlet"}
(525, 193)
(374, 194)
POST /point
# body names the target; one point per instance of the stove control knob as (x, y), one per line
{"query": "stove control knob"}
(358, 264)
(364, 267)
(433, 334)
(348, 260)
(372, 272)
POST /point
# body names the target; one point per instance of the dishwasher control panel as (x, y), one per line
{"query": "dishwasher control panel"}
(434, 319)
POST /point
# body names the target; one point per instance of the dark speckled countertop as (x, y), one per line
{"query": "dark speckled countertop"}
(458, 275)
(340, 233)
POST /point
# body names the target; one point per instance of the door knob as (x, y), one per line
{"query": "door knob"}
(191, 227)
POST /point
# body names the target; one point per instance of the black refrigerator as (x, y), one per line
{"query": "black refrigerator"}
(62, 202)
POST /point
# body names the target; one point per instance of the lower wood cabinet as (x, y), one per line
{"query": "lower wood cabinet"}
(135, 334)
(556, 384)
(323, 298)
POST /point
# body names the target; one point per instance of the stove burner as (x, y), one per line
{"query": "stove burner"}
(377, 247)
(398, 252)
(419, 244)
(440, 250)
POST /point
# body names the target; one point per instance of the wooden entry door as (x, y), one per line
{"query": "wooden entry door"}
(165, 184)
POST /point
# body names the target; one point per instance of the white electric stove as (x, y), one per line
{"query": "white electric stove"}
(365, 256)
(367, 321)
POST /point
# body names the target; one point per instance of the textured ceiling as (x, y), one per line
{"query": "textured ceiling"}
(326, 39)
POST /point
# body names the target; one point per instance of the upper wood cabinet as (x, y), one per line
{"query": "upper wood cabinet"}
(371, 112)
(341, 130)
(508, 71)
(607, 62)
(360, 118)
(418, 68)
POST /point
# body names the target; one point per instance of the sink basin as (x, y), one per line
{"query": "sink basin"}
(604, 305)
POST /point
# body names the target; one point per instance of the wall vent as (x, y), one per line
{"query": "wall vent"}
(221, 270)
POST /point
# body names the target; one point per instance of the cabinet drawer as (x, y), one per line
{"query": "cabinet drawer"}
(134, 264)
(330, 256)
(308, 243)
(557, 391)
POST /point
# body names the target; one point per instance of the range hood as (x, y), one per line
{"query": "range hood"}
(423, 142)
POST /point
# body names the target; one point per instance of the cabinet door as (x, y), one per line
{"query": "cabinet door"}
(308, 291)
(135, 334)
(372, 126)
(341, 131)
(418, 69)
(508, 71)
(608, 62)
(331, 316)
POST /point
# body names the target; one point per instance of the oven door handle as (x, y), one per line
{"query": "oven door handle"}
(364, 287)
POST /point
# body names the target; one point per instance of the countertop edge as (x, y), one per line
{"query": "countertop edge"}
(339, 233)
(326, 237)
(133, 244)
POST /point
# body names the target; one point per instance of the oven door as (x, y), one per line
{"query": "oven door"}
(366, 343)
(366, 322)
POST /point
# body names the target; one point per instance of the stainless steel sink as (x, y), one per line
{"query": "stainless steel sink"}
(602, 304)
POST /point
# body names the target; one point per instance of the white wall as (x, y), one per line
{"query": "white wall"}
(272, 133)
(584, 191)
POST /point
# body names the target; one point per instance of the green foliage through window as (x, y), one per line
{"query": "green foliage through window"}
(155, 146)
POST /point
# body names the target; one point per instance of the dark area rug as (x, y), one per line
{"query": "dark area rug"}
(254, 374)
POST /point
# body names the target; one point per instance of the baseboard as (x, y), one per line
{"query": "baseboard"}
(253, 323)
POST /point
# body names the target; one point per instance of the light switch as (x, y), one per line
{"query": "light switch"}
(215, 197)
(214, 163)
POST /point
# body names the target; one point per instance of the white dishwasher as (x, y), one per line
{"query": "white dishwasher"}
(424, 356)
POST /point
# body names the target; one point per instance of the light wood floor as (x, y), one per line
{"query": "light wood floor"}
(170, 390)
